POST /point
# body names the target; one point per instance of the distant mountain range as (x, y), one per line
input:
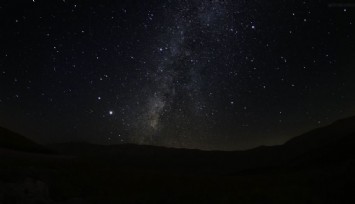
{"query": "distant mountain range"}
(334, 142)
(316, 167)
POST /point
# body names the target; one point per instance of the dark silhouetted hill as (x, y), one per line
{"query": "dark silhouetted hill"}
(323, 136)
(13, 141)
(333, 143)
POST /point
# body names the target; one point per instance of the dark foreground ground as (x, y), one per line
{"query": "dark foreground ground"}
(317, 167)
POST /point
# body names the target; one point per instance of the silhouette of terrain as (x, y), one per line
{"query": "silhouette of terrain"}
(316, 167)
(14, 141)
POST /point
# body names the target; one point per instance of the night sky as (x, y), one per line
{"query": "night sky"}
(208, 74)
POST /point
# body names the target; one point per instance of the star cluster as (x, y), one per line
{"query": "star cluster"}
(209, 74)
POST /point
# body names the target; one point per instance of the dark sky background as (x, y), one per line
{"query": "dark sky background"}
(209, 74)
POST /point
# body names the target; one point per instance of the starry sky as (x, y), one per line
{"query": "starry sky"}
(207, 74)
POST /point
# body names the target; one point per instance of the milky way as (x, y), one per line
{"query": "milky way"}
(174, 94)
